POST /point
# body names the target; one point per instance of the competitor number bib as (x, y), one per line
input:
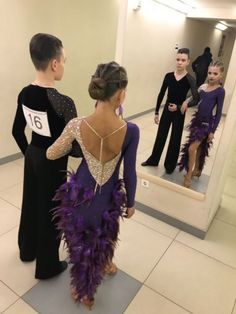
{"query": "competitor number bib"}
(37, 121)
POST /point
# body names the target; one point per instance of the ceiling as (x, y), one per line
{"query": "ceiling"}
(218, 4)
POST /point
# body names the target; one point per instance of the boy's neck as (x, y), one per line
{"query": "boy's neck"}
(44, 79)
(180, 72)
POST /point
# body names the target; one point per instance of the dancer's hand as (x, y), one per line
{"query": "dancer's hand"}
(156, 118)
(172, 107)
(184, 107)
(210, 137)
(129, 212)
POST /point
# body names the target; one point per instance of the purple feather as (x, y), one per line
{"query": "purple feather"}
(199, 131)
(90, 248)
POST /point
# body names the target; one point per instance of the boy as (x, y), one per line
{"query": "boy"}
(178, 84)
(46, 112)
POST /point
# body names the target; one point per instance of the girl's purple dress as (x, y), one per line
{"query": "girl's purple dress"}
(204, 121)
(91, 203)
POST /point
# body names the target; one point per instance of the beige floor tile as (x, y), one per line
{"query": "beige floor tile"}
(198, 283)
(148, 301)
(147, 136)
(17, 275)
(155, 224)
(9, 217)
(13, 195)
(144, 145)
(142, 156)
(10, 174)
(230, 187)
(227, 210)
(20, 307)
(7, 297)
(139, 249)
(218, 243)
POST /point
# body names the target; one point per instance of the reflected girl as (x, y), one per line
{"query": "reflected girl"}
(203, 124)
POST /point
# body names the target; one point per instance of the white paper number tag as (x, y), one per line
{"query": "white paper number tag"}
(37, 121)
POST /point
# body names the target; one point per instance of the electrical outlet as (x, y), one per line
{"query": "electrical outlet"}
(145, 183)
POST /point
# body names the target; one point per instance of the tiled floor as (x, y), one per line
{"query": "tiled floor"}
(162, 270)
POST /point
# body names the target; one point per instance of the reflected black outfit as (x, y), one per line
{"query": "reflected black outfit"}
(200, 67)
(37, 236)
(177, 92)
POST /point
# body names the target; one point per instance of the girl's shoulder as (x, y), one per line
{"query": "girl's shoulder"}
(132, 126)
(132, 129)
(203, 87)
(74, 123)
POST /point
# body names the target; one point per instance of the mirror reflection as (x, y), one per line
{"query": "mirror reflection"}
(155, 156)
(203, 119)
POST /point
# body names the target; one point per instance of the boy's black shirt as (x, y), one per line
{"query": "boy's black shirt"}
(60, 110)
(177, 90)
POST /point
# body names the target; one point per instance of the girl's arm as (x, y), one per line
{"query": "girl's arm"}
(130, 176)
(63, 145)
(219, 106)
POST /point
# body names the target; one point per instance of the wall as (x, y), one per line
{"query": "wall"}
(149, 49)
(88, 31)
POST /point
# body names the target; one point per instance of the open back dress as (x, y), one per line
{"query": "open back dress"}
(92, 201)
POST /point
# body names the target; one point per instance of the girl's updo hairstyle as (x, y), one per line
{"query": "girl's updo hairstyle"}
(219, 64)
(107, 79)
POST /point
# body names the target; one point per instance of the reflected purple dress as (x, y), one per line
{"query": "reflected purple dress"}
(91, 203)
(204, 121)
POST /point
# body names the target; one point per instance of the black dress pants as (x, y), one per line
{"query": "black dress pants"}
(176, 121)
(38, 237)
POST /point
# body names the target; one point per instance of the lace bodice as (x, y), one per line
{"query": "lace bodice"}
(101, 172)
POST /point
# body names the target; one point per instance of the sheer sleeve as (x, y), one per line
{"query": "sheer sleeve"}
(190, 98)
(63, 145)
(194, 91)
(63, 105)
(130, 176)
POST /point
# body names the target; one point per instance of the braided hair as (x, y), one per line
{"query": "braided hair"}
(108, 78)
(218, 64)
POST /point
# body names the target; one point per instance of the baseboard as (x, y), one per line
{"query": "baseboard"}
(10, 158)
(137, 115)
(170, 220)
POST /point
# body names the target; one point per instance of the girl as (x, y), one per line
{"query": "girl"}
(94, 198)
(204, 123)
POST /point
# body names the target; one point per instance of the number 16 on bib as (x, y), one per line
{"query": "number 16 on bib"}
(37, 121)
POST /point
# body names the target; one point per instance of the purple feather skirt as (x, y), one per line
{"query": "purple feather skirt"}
(199, 131)
(90, 246)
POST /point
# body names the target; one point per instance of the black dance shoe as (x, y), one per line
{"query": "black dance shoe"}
(147, 163)
(168, 171)
(62, 266)
(27, 259)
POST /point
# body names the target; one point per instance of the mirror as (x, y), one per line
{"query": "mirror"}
(221, 44)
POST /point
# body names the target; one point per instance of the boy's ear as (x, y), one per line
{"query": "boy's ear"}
(53, 64)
